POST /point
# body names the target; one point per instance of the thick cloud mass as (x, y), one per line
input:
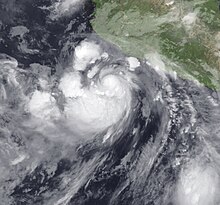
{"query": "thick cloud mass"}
(81, 123)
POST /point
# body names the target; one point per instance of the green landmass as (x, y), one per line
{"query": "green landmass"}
(185, 34)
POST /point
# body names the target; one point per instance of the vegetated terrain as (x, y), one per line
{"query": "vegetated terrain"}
(180, 35)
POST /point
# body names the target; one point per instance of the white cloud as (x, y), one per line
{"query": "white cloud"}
(99, 107)
(133, 63)
(70, 85)
(85, 54)
(64, 7)
(42, 105)
(198, 186)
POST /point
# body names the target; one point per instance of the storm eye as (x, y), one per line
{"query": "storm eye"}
(112, 86)
(97, 107)
(103, 102)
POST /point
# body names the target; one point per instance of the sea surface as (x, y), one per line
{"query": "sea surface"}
(109, 102)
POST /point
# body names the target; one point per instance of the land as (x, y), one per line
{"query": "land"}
(181, 35)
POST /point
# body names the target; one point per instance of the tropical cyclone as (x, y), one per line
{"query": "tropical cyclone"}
(105, 128)
(95, 96)
(103, 102)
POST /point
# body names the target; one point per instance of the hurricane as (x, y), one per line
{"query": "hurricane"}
(82, 122)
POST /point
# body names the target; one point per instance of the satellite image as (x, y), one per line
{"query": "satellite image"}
(109, 102)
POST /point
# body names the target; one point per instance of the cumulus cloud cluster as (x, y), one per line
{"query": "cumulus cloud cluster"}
(90, 104)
